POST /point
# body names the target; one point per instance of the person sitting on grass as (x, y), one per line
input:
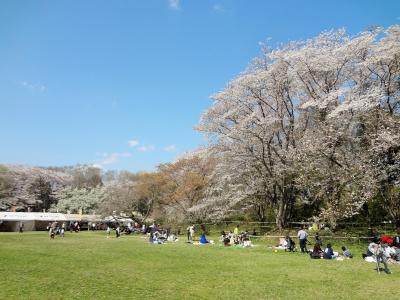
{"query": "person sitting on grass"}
(371, 248)
(290, 244)
(346, 252)
(328, 252)
(317, 252)
(246, 243)
(203, 239)
(396, 239)
(155, 238)
(282, 244)
(222, 237)
(389, 252)
(172, 238)
(227, 241)
(231, 238)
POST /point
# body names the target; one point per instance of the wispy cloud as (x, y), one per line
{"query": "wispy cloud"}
(37, 87)
(218, 8)
(112, 158)
(146, 148)
(174, 4)
(133, 143)
(170, 148)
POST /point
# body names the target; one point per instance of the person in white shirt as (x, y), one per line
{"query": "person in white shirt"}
(302, 235)
(191, 230)
(108, 231)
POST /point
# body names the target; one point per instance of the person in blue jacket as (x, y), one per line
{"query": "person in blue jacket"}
(328, 252)
(203, 239)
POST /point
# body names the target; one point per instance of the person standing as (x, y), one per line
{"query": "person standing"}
(381, 257)
(236, 231)
(51, 232)
(302, 235)
(192, 228)
(188, 233)
(21, 227)
(108, 231)
(117, 232)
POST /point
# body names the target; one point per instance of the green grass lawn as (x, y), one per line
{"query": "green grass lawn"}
(89, 266)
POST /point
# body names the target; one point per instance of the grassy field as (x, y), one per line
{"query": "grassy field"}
(89, 266)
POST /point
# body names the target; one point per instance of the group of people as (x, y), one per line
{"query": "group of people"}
(159, 235)
(128, 228)
(288, 244)
(384, 249)
(329, 253)
(54, 228)
(380, 250)
(236, 238)
(318, 252)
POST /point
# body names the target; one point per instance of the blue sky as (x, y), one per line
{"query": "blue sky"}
(123, 83)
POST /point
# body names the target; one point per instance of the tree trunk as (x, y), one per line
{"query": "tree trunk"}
(260, 210)
(284, 207)
(282, 214)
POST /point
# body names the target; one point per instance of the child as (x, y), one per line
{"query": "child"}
(346, 253)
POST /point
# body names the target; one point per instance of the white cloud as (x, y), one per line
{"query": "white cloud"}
(170, 148)
(174, 4)
(37, 87)
(113, 158)
(146, 148)
(133, 143)
(218, 8)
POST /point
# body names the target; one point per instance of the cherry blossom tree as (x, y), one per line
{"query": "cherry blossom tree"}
(302, 122)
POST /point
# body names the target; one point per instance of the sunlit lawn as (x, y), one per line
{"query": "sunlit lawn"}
(90, 266)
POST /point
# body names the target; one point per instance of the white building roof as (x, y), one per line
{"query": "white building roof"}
(38, 216)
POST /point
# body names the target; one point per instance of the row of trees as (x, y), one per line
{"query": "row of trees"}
(164, 195)
(36, 189)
